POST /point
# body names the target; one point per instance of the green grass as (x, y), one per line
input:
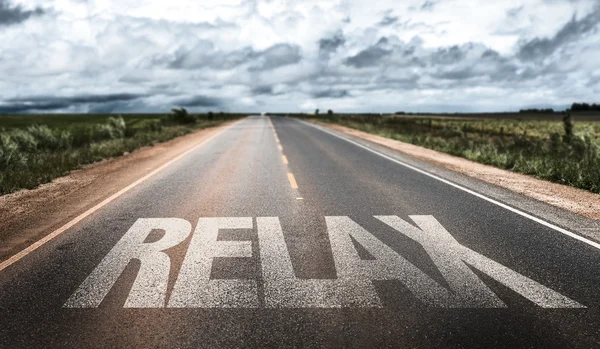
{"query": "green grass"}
(9, 122)
(35, 149)
(538, 148)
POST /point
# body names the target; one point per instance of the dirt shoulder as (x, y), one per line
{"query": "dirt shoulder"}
(28, 215)
(572, 199)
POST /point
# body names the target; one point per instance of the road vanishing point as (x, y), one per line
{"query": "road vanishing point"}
(279, 233)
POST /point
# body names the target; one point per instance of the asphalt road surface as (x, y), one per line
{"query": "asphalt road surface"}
(275, 233)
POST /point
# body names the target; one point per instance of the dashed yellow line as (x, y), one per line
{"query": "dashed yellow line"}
(291, 177)
(292, 181)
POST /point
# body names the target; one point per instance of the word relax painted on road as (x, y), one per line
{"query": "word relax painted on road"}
(353, 286)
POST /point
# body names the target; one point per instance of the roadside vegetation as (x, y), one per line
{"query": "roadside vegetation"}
(562, 151)
(36, 149)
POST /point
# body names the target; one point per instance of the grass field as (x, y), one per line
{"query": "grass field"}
(534, 146)
(63, 121)
(35, 149)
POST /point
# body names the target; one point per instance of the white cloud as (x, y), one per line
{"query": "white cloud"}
(264, 54)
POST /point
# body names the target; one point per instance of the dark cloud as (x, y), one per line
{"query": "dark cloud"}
(198, 101)
(262, 90)
(448, 55)
(570, 32)
(369, 57)
(489, 53)
(328, 46)
(467, 65)
(204, 56)
(388, 20)
(13, 108)
(48, 103)
(10, 14)
(458, 74)
(276, 56)
(428, 5)
(474, 61)
(269, 90)
(331, 93)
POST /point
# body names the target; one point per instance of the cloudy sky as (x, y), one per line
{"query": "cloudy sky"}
(268, 55)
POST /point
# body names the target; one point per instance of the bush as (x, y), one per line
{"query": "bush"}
(181, 116)
(154, 126)
(10, 155)
(64, 139)
(118, 126)
(44, 136)
(103, 131)
(25, 140)
(115, 128)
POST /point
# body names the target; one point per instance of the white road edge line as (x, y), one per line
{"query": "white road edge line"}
(13, 259)
(481, 196)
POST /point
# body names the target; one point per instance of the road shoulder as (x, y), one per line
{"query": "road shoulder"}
(573, 209)
(29, 215)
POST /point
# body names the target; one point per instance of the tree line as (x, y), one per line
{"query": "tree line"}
(585, 107)
(575, 107)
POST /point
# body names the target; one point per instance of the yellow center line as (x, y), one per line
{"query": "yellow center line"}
(292, 181)
(291, 177)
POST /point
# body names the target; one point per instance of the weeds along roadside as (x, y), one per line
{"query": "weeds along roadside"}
(551, 150)
(38, 154)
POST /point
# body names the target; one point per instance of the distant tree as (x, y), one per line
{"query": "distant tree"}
(211, 116)
(579, 107)
(181, 116)
(317, 112)
(330, 112)
(534, 111)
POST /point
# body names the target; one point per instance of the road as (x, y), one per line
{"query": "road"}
(275, 233)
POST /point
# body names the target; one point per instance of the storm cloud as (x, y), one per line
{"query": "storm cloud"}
(52, 103)
(369, 57)
(13, 14)
(569, 33)
(198, 101)
(204, 55)
(328, 46)
(331, 93)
